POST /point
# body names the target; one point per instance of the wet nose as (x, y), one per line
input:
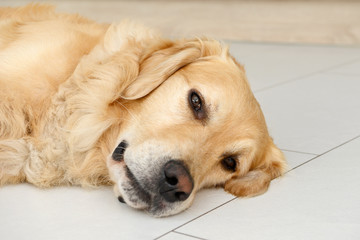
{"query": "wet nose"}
(177, 183)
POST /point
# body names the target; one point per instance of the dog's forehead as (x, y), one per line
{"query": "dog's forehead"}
(216, 69)
(220, 77)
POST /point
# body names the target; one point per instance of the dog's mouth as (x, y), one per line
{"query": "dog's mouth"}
(162, 194)
(118, 156)
(136, 189)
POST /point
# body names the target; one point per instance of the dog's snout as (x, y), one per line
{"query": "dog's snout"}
(177, 183)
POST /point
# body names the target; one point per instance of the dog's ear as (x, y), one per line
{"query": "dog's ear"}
(158, 67)
(269, 166)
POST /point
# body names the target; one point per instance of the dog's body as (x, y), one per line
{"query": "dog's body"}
(91, 104)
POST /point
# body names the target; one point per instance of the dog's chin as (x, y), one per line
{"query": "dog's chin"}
(161, 208)
(156, 208)
(130, 191)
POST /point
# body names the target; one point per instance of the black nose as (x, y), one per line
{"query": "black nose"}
(177, 183)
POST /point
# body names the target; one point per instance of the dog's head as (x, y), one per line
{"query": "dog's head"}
(189, 120)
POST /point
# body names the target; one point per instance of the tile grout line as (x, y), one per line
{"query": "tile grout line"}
(185, 234)
(342, 144)
(294, 151)
(305, 75)
(173, 230)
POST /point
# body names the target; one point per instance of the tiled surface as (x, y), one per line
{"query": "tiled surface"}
(179, 236)
(313, 114)
(74, 213)
(348, 69)
(311, 99)
(269, 65)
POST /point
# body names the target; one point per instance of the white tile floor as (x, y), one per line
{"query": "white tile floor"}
(311, 98)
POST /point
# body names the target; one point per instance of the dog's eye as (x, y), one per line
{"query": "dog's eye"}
(196, 104)
(229, 163)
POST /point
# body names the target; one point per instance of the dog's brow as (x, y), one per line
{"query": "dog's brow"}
(230, 154)
(239, 149)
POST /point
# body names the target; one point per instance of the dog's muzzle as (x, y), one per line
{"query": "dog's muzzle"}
(164, 188)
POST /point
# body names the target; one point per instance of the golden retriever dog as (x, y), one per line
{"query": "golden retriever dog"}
(89, 104)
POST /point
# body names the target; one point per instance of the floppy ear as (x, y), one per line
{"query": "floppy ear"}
(271, 165)
(159, 66)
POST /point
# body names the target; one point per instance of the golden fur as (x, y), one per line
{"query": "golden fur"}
(71, 89)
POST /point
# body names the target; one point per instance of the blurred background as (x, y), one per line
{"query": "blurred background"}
(330, 22)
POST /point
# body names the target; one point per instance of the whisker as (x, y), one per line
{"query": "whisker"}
(131, 114)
